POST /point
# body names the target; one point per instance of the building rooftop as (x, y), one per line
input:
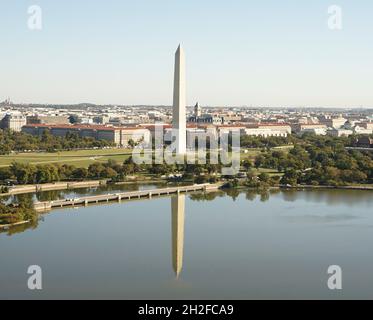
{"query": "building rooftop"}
(72, 126)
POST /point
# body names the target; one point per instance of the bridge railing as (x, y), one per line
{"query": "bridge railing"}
(47, 205)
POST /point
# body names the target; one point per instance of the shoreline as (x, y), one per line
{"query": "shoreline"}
(280, 187)
(64, 185)
(11, 225)
(327, 187)
(46, 206)
(302, 187)
(53, 186)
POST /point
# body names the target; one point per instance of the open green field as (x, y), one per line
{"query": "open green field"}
(271, 172)
(79, 158)
(249, 154)
(83, 158)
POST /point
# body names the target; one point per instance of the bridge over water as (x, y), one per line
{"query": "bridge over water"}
(123, 196)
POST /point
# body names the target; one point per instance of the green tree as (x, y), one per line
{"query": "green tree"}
(290, 177)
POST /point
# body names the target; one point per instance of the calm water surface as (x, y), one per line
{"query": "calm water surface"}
(219, 246)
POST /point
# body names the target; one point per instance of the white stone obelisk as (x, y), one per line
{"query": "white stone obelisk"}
(179, 103)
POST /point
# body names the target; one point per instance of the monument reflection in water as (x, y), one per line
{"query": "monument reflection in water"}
(177, 221)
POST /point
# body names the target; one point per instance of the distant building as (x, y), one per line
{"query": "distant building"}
(135, 134)
(101, 119)
(315, 128)
(365, 142)
(199, 118)
(119, 136)
(86, 120)
(332, 122)
(340, 132)
(192, 132)
(230, 118)
(47, 119)
(366, 125)
(6, 103)
(259, 130)
(197, 110)
(356, 128)
(267, 130)
(206, 119)
(13, 121)
(283, 127)
(315, 131)
(227, 129)
(196, 136)
(362, 130)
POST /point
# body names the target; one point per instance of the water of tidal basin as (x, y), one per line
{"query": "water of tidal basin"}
(237, 246)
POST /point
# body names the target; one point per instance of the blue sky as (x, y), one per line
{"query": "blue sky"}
(239, 52)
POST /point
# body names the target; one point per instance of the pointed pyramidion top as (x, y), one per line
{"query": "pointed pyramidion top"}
(179, 48)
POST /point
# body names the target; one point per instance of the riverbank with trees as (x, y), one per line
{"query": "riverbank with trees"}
(11, 141)
(19, 211)
(320, 160)
(310, 162)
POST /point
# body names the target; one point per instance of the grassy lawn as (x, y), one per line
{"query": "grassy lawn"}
(249, 154)
(83, 158)
(79, 158)
(271, 172)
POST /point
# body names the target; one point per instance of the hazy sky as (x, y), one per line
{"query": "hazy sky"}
(238, 52)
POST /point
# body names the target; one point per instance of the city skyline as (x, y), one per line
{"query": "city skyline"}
(236, 57)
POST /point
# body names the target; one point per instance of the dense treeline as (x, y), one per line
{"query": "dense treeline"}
(320, 160)
(19, 141)
(21, 209)
(268, 142)
(313, 160)
(24, 173)
(306, 138)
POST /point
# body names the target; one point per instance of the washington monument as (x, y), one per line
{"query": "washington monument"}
(179, 103)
